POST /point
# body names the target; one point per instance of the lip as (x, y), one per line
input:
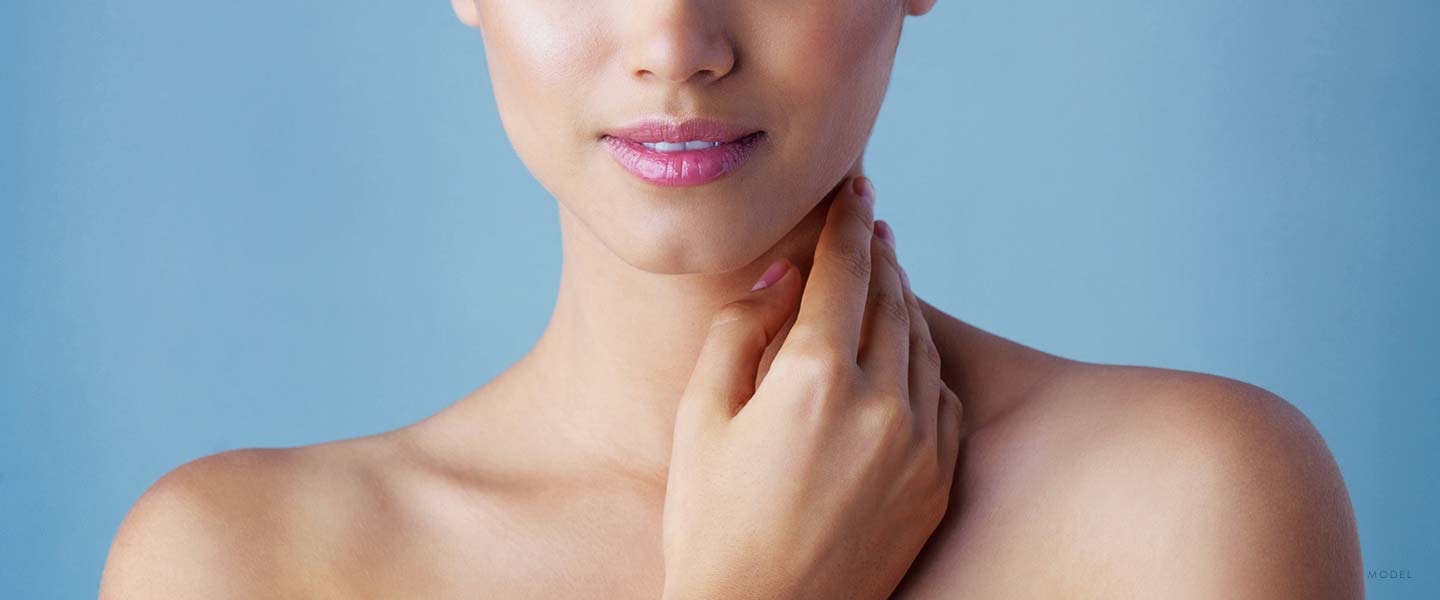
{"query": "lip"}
(688, 167)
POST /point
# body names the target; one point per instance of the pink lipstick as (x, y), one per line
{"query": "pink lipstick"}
(681, 153)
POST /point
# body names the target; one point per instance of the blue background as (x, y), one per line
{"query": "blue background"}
(234, 224)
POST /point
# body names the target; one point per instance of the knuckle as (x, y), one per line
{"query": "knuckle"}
(804, 339)
(949, 394)
(855, 214)
(886, 418)
(925, 348)
(914, 303)
(735, 313)
(954, 400)
(952, 415)
(852, 258)
(825, 380)
(892, 306)
(884, 253)
(742, 317)
(820, 367)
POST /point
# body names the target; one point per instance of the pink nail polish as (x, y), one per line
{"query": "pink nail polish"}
(865, 190)
(772, 274)
(885, 233)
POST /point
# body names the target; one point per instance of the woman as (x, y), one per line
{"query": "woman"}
(675, 433)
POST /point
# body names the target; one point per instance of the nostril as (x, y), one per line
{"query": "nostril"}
(703, 76)
(677, 56)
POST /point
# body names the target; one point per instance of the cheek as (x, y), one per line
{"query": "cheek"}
(830, 77)
(542, 56)
(844, 51)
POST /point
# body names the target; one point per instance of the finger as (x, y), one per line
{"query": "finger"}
(924, 364)
(885, 339)
(724, 373)
(768, 358)
(834, 296)
(951, 418)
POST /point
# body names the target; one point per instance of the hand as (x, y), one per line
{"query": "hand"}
(827, 479)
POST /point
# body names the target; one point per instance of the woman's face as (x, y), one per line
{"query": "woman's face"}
(809, 74)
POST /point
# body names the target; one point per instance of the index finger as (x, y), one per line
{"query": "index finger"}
(833, 303)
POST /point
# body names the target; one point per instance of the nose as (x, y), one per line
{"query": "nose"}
(678, 41)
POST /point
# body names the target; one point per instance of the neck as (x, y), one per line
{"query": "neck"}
(621, 343)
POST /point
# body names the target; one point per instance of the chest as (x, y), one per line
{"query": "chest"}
(570, 548)
(593, 548)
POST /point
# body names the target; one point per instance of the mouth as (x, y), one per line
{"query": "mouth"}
(684, 153)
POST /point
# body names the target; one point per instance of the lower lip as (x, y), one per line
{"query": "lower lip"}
(685, 168)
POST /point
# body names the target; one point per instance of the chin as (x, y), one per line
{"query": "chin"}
(716, 228)
(702, 231)
(697, 250)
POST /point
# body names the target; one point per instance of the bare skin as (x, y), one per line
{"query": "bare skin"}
(815, 445)
(1073, 479)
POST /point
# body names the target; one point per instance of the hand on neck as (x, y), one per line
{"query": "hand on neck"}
(617, 353)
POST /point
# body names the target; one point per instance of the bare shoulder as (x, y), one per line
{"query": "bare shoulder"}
(1135, 481)
(245, 523)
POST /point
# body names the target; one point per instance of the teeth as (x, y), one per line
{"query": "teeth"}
(679, 146)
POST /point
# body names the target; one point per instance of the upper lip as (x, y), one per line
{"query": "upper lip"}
(666, 129)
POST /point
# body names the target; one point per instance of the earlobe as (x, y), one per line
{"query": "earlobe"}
(466, 11)
(916, 8)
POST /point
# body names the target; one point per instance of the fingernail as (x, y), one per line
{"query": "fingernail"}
(865, 189)
(771, 275)
(883, 230)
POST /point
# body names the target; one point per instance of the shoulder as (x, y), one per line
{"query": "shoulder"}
(241, 523)
(1179, 484)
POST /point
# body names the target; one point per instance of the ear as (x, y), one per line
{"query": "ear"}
(468, 13)
(913, 8)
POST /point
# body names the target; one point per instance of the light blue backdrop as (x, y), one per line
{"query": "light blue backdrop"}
(232, 224)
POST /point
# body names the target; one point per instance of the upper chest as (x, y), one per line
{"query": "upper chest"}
(604, 547)
(570, 546)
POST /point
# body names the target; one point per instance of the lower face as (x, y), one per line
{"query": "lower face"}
(808, 75)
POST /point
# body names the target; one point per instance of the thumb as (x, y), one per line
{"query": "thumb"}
(724, 374)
